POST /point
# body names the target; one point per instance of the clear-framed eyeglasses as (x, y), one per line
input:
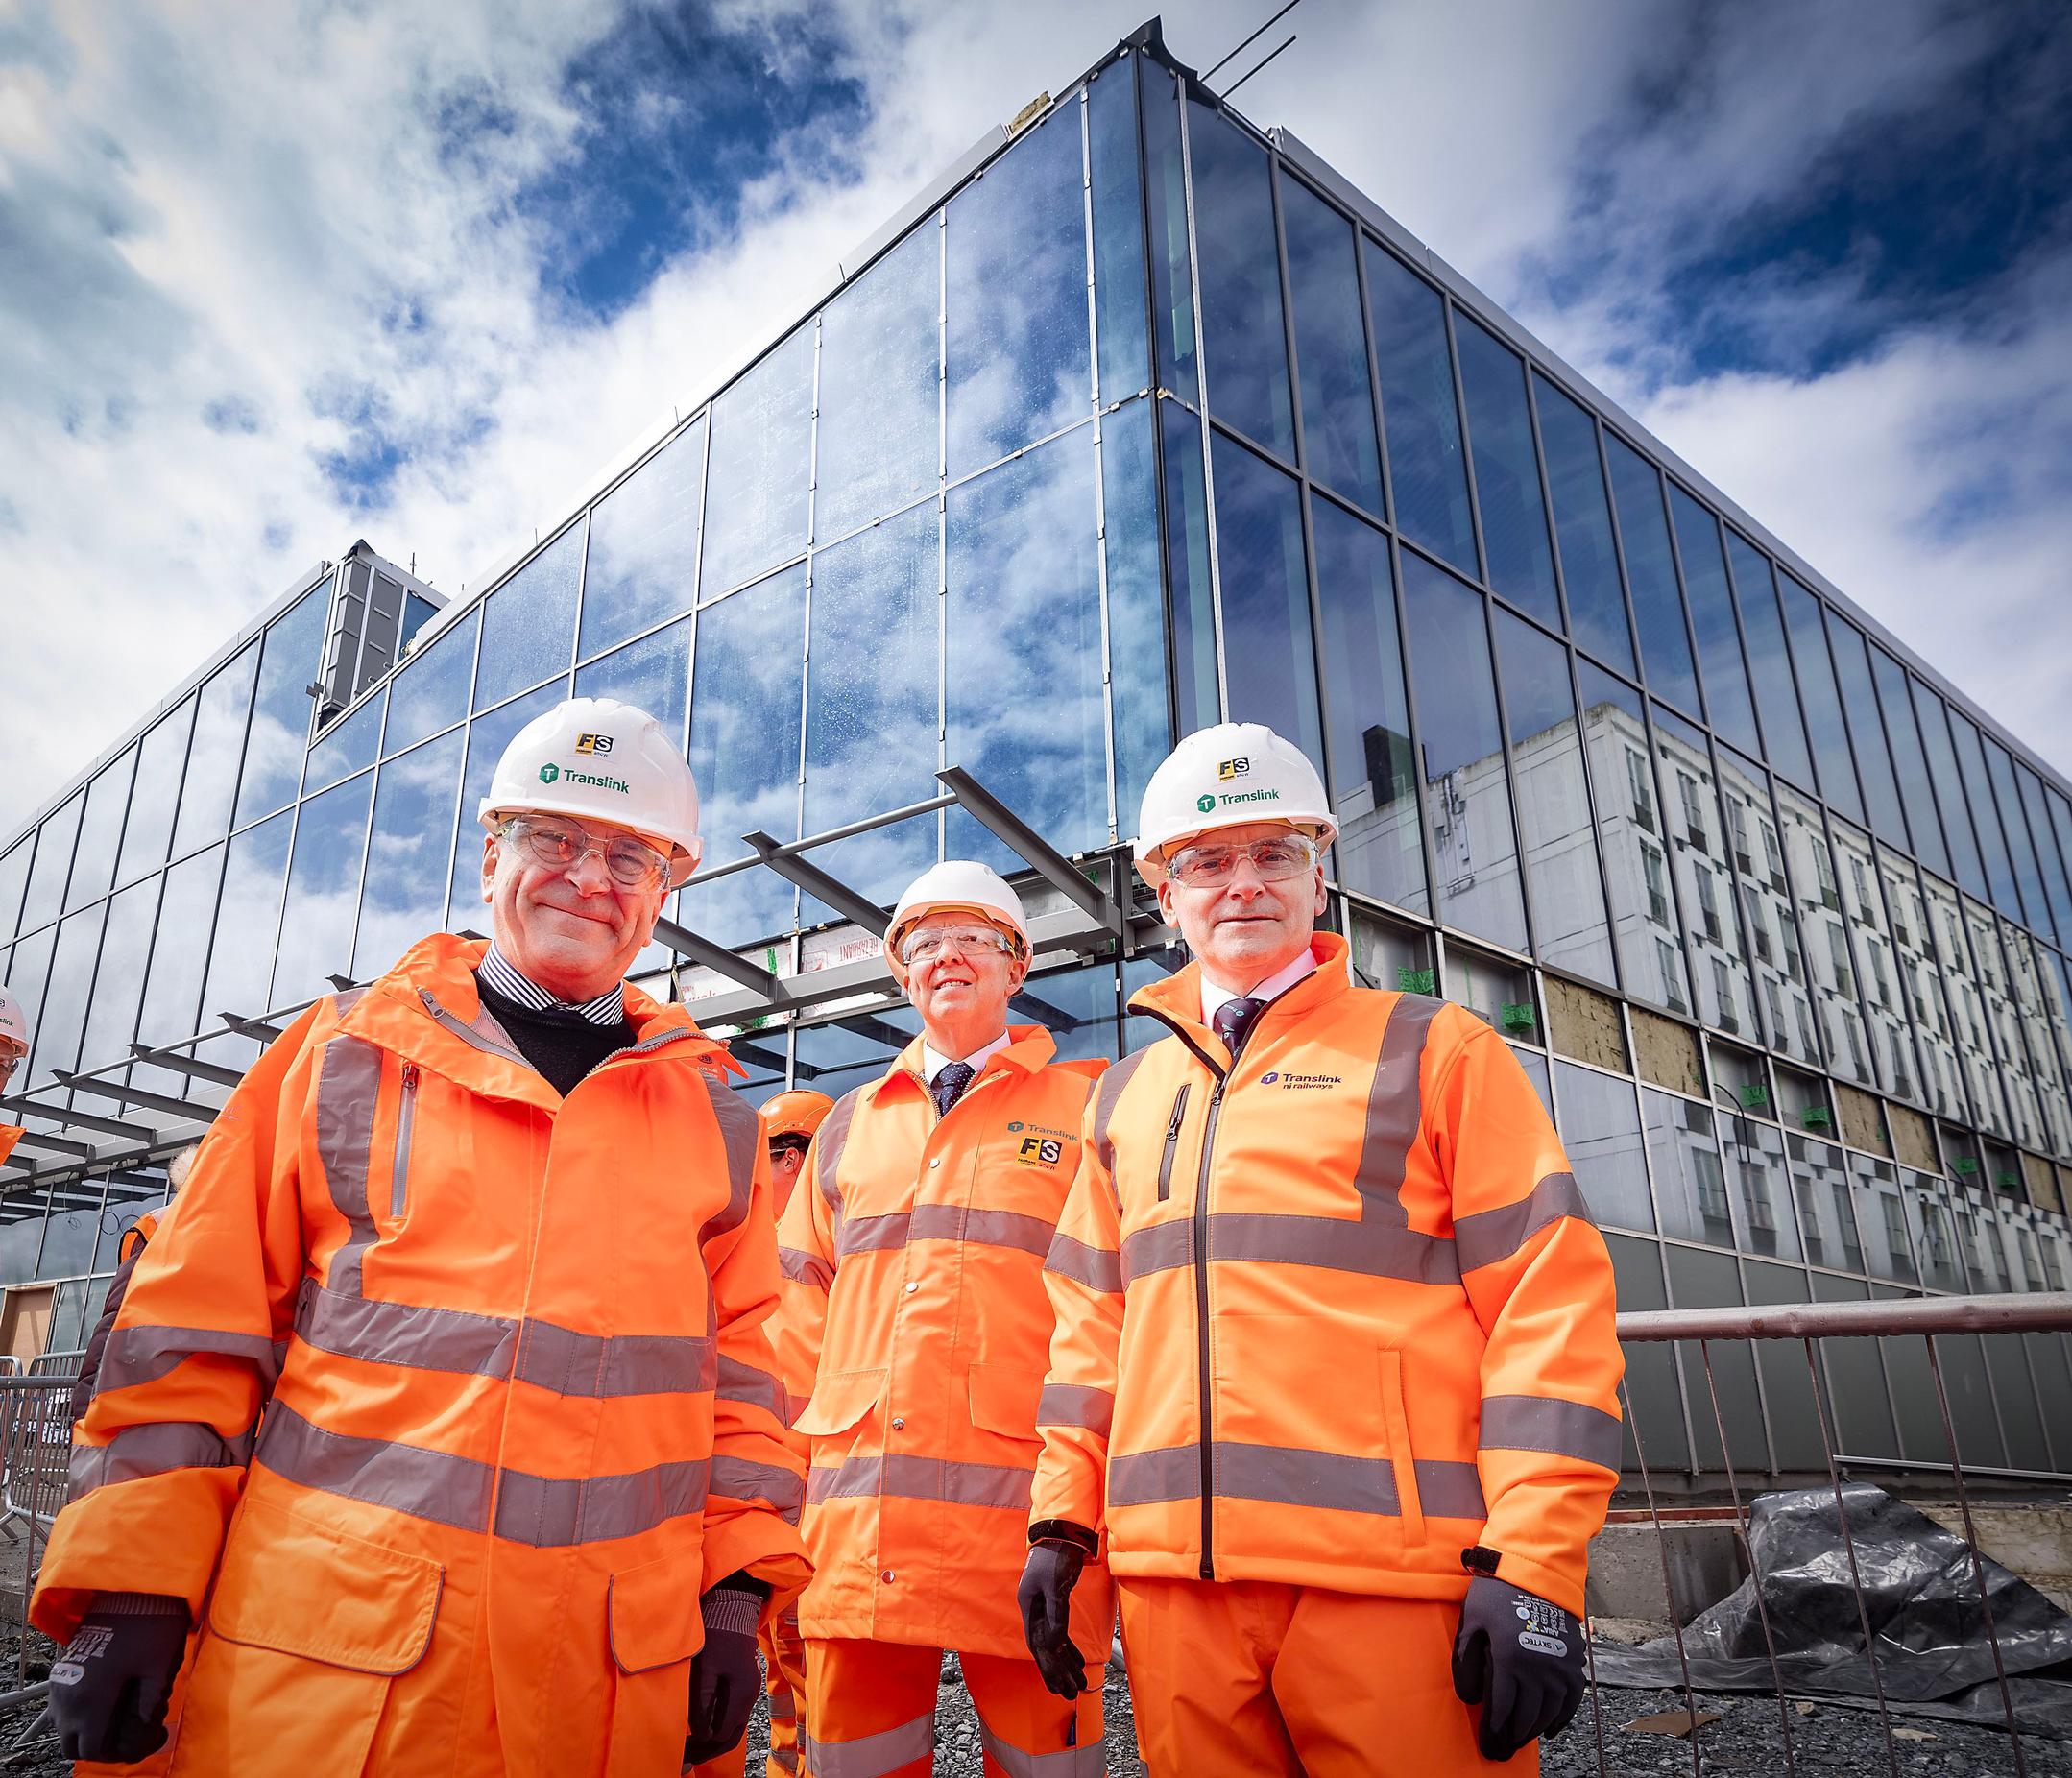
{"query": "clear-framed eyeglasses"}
(562, 845)
(10, 1061)
(1213, 864)
(932, 941)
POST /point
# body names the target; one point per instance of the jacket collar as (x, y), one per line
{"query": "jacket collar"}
(1029, 1049)
(1176, 1001)
(427, 1010)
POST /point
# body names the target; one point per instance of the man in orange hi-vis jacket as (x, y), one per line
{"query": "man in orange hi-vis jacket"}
(929, 1199)
(438, 1431)
(1334, 1385)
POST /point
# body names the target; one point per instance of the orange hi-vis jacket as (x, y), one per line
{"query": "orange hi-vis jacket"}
(1333, 1315)
(505, 1435)
(921, 1241)
(9, 1135)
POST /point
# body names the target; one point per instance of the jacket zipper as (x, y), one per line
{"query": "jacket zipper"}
(1172, 1142)
(406, 1117)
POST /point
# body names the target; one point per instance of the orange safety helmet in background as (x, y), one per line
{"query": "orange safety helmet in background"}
(798, 1112)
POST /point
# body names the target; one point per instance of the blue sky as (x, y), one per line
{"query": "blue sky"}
(274, 279)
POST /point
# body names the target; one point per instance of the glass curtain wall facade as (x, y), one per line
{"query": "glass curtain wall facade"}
(1147, 422)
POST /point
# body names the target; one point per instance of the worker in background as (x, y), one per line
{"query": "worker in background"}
(128, 1249)
(488, 1243)
(789, 1121)
(1334, 1387)
(930, 1197)
(13, 1052)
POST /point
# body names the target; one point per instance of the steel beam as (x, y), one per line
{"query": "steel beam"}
(192, 1066)
(815, 881)
(84, 1120)
(1051, 864)
(717, 957)
(140, 1095)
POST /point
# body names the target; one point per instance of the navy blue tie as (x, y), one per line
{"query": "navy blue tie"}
(951, 1080)
(1233, 1020)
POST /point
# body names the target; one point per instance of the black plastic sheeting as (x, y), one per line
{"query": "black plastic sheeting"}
(1921, 1598)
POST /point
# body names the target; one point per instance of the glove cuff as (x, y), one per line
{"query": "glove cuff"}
(731, 1611)
(1064, 1531)
(139, 1605)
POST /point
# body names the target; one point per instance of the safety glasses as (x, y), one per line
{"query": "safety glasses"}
(563, 845)
(933, 942)
(1211, 865)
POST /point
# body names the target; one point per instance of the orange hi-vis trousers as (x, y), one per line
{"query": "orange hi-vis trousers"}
(1256, 1679)
(783, 1683)
(870, 1712)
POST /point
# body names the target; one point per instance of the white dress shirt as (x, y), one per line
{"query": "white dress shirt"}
(1214, 994)
(933, 1061)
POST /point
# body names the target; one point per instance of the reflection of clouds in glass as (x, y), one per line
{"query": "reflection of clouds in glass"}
(53, 859)
(527, 622)
(323, 891)
(756, 488)
(120, 984)
(653, 675)
(248, 916)
(643, 545)
(1241, 281)
(281, 713)
(1017, 346)
(431, 690)
(64, 1002)
(93, 864)
(404, 893)
(179, 955)
(345, 748)
(149, 830)
(878, 440)
(487, 739)
(219, 733)
(1024, 690)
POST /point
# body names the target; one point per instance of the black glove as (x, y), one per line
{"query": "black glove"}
(1521, 1660)
(109, 1689)
(1045, 1596)
(724, 1677)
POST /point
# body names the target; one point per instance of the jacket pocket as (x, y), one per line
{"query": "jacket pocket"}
(1172, 1142)
(840, 1401)
(652, 1614)
(1396, 1418)
(406, 1120)
(1003, 1399)
(302, 1588)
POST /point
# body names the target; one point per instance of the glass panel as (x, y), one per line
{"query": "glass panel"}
(28, 970)
(1600, 1136)
(1879, 964)
(346, 747)
(2060, 824)
(1380, 849)
(1707, 1281)
(429, 692)
(871, 701)
(2058, 893)
(1690, 1185)
(1967, 1005)
(1651, 1372)
(173, 994)
(404, 897)
(1269, 660)
(100, 833)
(2054, 983)
(1778, 952)
(55, 845)
(1023, 673)
(13, 879)
(529, 621)
(1881, 1217)
(1913, 945)
(68, 1250)
(1016, 347)
(1754, 1154)
(1632, 834)
(1874, 759)
(757, 488)
(1770, 661)
(1136, 605)
(219, 741)
(1712, 619)
(1119, 268)
(1826, 1219)
(64, 1006)
(1460, 753)
(1165, 178)
(119, 985)
(1331, 346)
(1569, 923)
(1984, 823)
(1583, 526)
(1978, 1240)
(1419, 416)
(323, 892)
(1949, 788)
(744, 751)
(2014, 825)
(1992, 976)
(1506, 471)
(1916, 795)
(248, 921)
(834, 1058)
(1241, 281)
(652, 674)
(880, 369)
(2026, 988)
(643, 546)
(280, 731)
(1826, 957)
(1651, 569)
(488, 736)
(1197, 688)
(1698, 844)
(1823, 697)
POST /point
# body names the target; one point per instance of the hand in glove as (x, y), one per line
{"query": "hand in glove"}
(108, 1690)
(1045, 1596)
(1521, 1660)
(724, 1677)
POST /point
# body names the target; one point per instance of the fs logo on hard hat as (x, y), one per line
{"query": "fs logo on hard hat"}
(594, 743)
(549, 771)
(1228, 769)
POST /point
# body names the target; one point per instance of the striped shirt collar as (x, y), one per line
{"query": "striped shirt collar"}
(497, 970)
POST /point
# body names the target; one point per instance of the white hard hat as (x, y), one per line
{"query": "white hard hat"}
(13, 1023)
(599, 759)
(1227, 776)
(957, 883)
